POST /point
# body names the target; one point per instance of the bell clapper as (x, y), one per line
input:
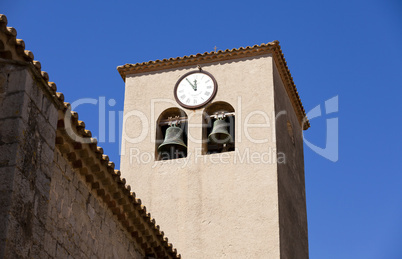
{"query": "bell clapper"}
(225, 148)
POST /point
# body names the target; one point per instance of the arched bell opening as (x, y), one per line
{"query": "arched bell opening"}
(218, 131)
(171, 135)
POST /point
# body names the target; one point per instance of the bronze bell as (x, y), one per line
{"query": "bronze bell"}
(219, 133)
(173, 144)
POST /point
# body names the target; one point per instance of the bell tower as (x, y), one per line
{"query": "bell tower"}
(212, 144)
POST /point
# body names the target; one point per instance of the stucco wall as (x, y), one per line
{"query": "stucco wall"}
(210, 206)
(291, 186)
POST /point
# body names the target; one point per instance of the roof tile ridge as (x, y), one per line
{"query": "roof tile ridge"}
(17, 47)
(127, 65)
(295, 94)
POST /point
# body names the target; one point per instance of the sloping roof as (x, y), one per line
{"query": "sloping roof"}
(215, 56)
(88, 159)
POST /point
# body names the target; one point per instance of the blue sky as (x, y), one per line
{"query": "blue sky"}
(349, 49)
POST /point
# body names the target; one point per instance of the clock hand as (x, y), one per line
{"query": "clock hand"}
(194, 87)
(195, 84)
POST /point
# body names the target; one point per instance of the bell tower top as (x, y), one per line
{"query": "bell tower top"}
(216, 56)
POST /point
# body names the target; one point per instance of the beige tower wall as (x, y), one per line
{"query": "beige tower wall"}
(210, 206)
(291, 186)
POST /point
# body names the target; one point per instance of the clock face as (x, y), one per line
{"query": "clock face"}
(195, 89)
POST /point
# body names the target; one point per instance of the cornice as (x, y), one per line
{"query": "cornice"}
(207, 57)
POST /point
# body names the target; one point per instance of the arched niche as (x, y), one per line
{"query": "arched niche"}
(162, 124)
(210, 115)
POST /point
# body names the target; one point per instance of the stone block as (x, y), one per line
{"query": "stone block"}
(7, 178)
(61, 252)
(83, 188)
(12, 130)
(62, 163)
(11, 155)
(86, 251)
(24, 186)
(46, 169)
(56, 177)
(108, 253)
(68, 244)
(18, 239)
(53, 117)
(77, 253)
(38, 232)
(65, 210)
(15, 104)
(49, 111)
(59, 205)
(68, 174)
(47, 132)
(35, 93)
(18, 78)
(51, 219)
(3, 85)
(43, 255)
(42, 209)
(79, 198)
(3, 219)
(47, 156)
(42, 184)
(76, 179)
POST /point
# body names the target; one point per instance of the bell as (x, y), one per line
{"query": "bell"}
(219, 133)
(173, 145)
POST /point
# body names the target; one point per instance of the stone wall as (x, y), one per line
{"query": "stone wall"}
(48, 211)
(53, 202)
(27, 131)
(78, 223)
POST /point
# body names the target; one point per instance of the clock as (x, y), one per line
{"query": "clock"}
(195, 89)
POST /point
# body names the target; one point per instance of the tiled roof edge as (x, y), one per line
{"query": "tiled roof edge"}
(77, 145)
(206, 57)
(14, 49)
(214, 56)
